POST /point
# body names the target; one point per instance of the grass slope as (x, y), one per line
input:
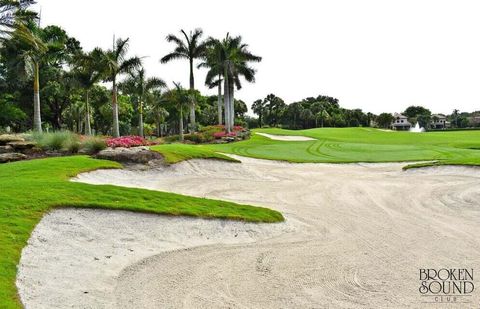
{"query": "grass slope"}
(174, 153)
(348, 145)
(28, 189)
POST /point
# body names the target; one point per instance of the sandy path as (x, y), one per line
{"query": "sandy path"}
(357, 236)
(290, 138)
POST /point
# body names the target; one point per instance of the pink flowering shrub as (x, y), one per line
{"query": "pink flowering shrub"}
(127, 141)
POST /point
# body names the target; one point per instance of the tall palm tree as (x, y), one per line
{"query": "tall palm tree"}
(213, 60)
(189, 47)
(12, 12)
(234, 58)
(88, 71)
(140, 85)
(117, 63)
(33, 50)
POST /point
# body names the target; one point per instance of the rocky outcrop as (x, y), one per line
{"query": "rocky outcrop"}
(21, 145)
(130, 155)
(6, 149)
(10, 157)
(7, 138)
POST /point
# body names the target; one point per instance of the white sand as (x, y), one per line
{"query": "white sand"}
(289, 138)
(355, 237)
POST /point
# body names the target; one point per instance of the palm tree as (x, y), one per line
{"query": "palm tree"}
(213, 60)
(12, 12)
(180, 98)
(33, 50)
(156, 110)
(258, 108)
(189, 47)
(117, 63)
(140, 85)
(88, 72)
(233, 59)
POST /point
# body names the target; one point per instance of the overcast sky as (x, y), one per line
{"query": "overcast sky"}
(378, 55)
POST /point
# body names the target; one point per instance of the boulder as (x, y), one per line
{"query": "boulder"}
(7, 138)
(21, 145)
(13, 156)
(129, 155)
(6, 149)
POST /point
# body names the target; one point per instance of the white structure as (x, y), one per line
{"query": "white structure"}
(400, 122)
(439, 121)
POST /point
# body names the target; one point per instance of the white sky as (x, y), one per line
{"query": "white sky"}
(378, 55)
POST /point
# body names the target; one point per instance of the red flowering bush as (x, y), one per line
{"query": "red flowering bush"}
(126, 141)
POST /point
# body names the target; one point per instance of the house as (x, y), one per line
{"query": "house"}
(400, 122)
(474, 120)
(439, 121)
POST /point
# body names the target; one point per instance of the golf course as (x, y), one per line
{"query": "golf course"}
(192, 155)
(101, 185)
(345, 145)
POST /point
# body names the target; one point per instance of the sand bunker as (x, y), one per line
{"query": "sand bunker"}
(289, 138)
(355, 237)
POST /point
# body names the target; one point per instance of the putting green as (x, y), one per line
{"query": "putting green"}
(348, 145)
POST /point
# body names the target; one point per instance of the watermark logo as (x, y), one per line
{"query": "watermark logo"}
(446, 285)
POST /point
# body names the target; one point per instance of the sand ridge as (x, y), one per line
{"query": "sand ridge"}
(289, 138)
(355, 237)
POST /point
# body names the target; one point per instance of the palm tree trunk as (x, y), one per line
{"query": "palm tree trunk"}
(226, 98)
(192, 116)
(181, 125)
(232, 105)
(88, 128)
(37, 118)
(116, 128)
(219, 105)
(192, 106)
(140, 118)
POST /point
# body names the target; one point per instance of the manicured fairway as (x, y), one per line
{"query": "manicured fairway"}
(346, 145)
(28, 189)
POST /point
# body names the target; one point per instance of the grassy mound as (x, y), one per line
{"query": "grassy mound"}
(31, 188)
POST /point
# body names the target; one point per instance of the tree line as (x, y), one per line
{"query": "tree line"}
(68, 83)
(311, 112)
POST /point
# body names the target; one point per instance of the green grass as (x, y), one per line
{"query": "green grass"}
(174, 153)
(29, 189)
(348, 145)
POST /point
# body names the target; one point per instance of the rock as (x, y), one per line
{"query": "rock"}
(22, 145)
(13, 156)
(6, 149)
(129, 155)
(7, 138)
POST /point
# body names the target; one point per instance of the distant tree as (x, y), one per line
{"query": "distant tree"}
(384, 120)
(275, 107)
(414, 111)
(322, 115)
(258, 108)
(455, 116)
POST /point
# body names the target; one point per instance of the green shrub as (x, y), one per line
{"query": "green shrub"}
(72, 143)
(56, 141)
(93, 145)
(172, 139)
